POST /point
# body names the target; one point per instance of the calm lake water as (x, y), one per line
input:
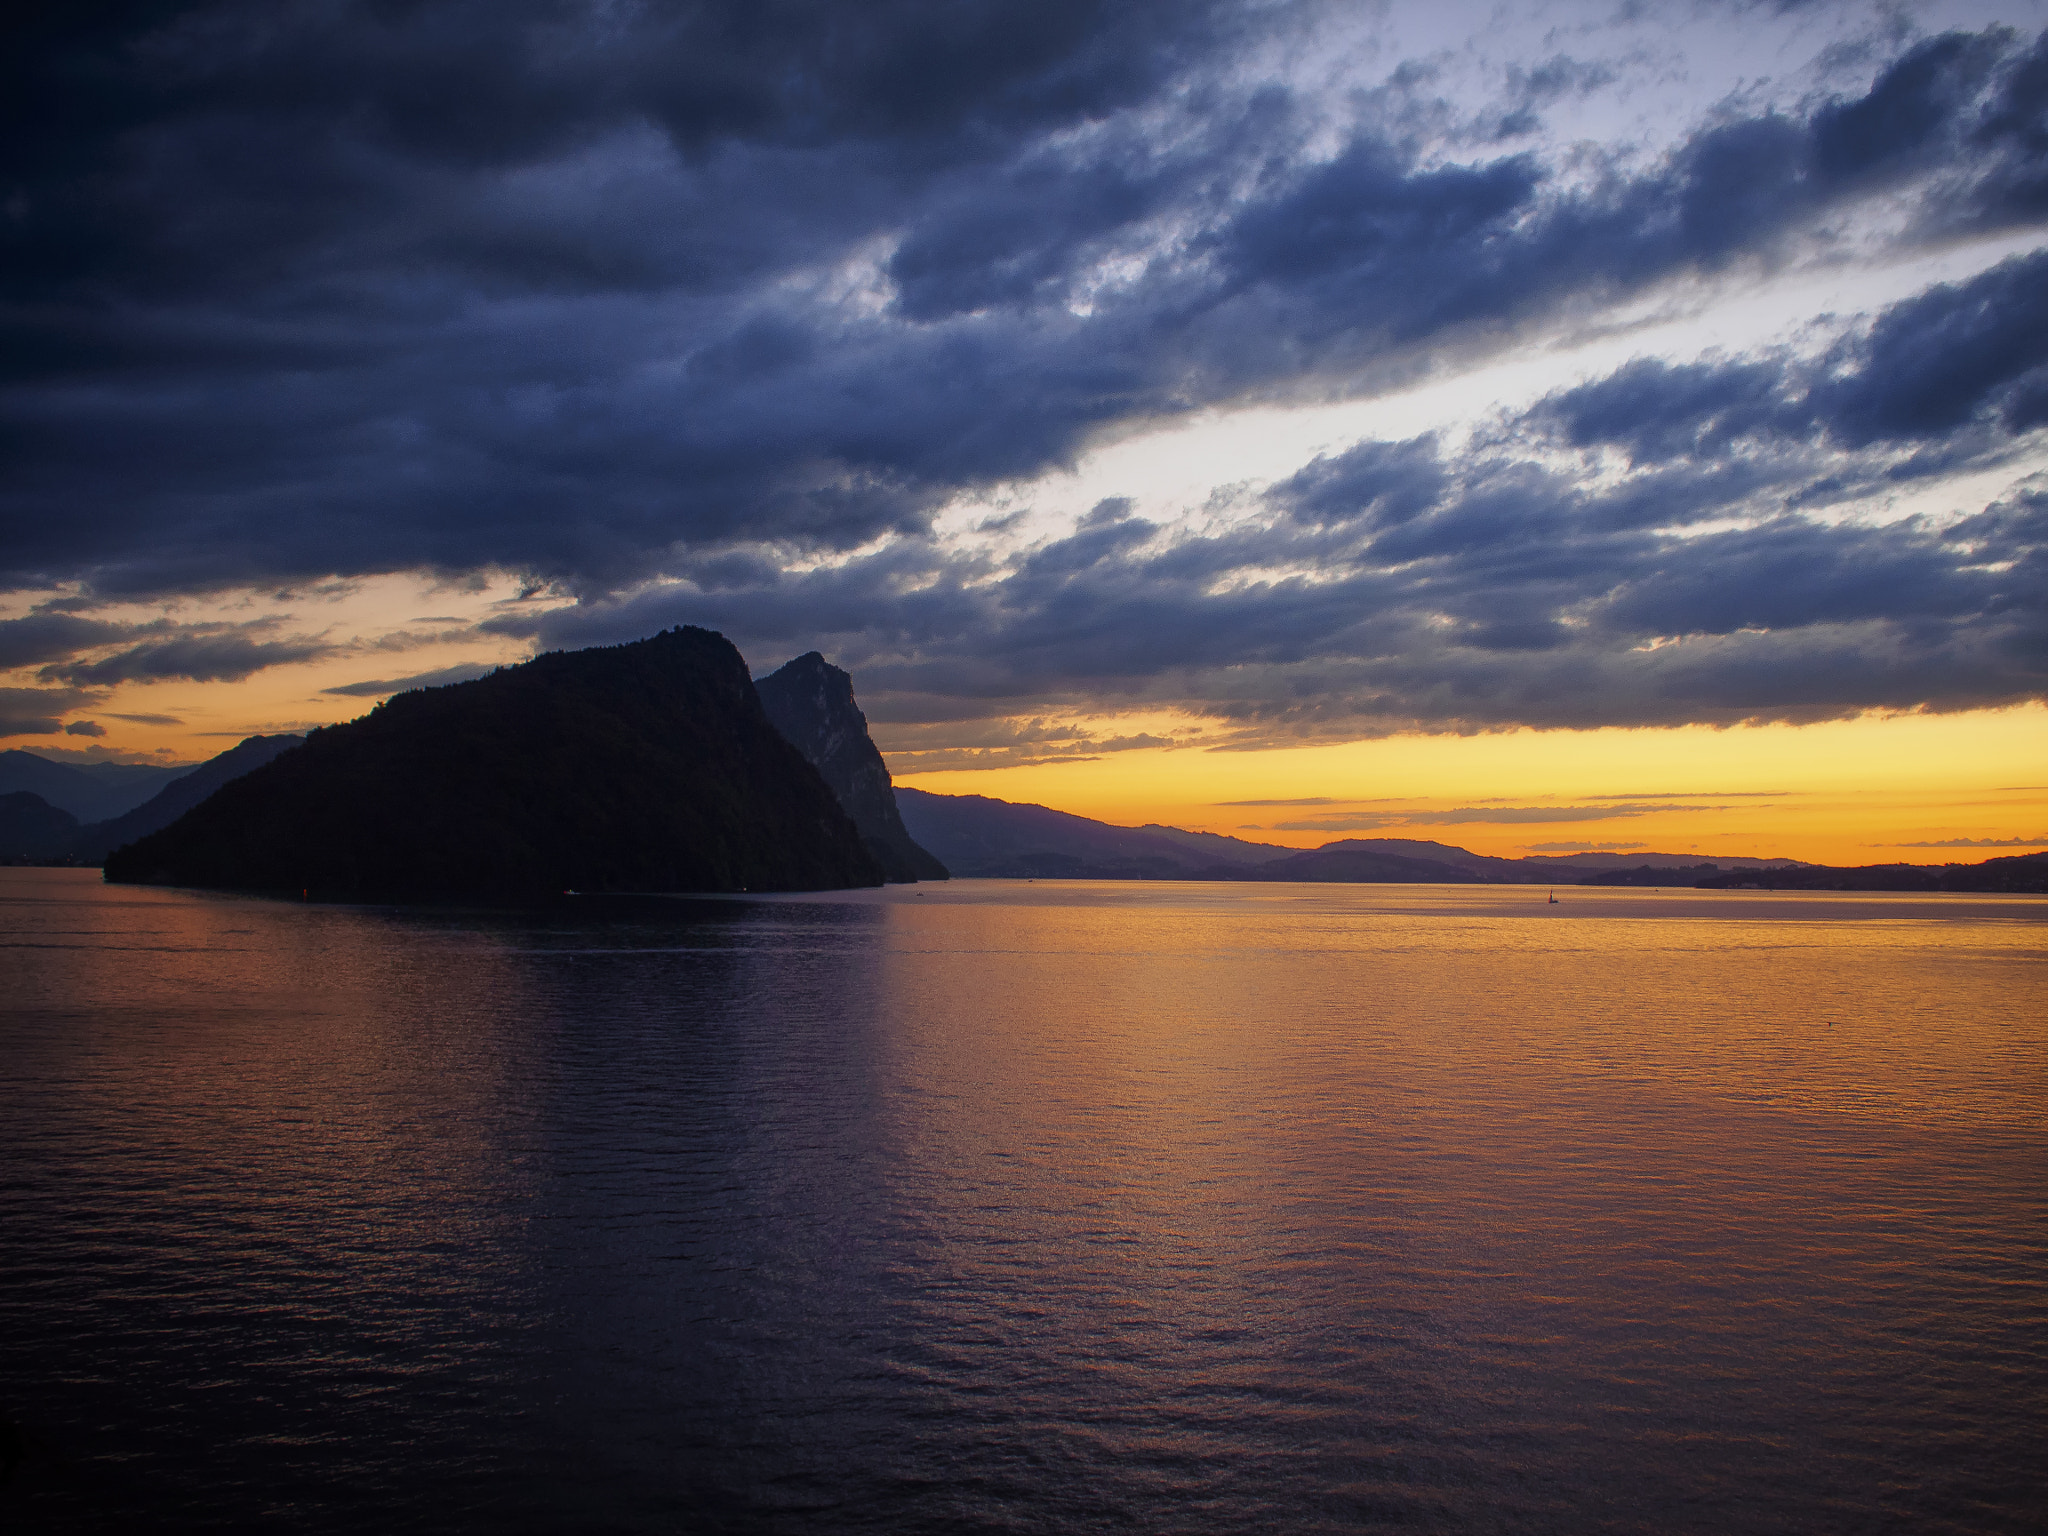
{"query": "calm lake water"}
(999, 1206)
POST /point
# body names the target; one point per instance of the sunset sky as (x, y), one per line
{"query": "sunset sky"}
(1534, 427)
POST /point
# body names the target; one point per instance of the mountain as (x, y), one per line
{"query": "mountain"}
(1215, 848)
(642, 767)
(811, 703)
(980, 836)
(1362, 865)
(94, 842)
(1542, 868)
(32, 828)
(1415, 848)
(2022, 873)
(1470, 865)
(89, 791)
(977, 835)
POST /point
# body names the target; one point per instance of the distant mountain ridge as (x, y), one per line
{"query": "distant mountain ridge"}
(1545, 866)
(979, 836)
(811, 703)
(643, 767)
(31, 828)
(660, 765)
(1228, 850)
(94, 842)
(86, 791)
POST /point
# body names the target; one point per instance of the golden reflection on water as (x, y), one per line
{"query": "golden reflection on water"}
(1544, 1165)
(1176, 1206)
(1903, 1007)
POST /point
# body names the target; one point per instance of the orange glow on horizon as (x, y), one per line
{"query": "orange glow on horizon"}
(1846, 792)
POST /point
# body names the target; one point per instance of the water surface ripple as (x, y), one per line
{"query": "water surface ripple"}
(998, 1207)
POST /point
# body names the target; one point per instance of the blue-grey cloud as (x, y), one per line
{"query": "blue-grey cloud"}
(547, 286)
(41, 711)
(203, 658)
(41, 637)
(608, 296)
(1472, 592)
(1958, 355)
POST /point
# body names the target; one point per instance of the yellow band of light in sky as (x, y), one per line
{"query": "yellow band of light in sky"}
(1845, 792)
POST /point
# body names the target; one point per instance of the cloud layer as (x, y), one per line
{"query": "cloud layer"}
(703, 313)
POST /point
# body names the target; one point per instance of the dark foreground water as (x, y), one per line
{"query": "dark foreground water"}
(1026, 1207)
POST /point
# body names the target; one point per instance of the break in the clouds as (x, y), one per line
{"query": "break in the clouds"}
(721, 313)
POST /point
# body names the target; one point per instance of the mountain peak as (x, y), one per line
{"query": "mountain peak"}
(648, 766)
(811, 703)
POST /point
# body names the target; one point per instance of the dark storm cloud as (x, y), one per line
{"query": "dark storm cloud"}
(42, 636)
(1933, 363)
(579, 290)
(1958, 356)
(605, 295)
(451, 284)
(2011, 137)
(203, 658)
(98, 654)
(40, 711)
(1401, 583)
(1550, 618)
(1370, 250)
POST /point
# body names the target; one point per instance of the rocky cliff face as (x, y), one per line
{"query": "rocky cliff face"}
(642, 767)
(811, 703)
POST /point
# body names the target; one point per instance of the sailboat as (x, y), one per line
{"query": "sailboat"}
(1553, 898)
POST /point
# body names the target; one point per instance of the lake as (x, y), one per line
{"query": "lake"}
(1013, 1207)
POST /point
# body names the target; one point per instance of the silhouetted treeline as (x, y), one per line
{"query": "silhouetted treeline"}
(2020, 874)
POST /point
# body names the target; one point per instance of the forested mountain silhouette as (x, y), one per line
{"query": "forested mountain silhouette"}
(642, 767)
